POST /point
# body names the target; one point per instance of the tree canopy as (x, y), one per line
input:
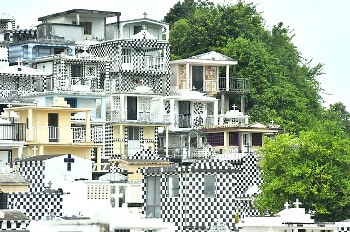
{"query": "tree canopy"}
(313, 166)
(310, 162)
(283, 85)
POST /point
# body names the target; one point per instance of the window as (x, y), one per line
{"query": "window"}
(133, 133)
(137, 29)
(77, 70)
(174, 187)
(233, 138)
(246, 141)
(209, 185)
(98, 108)
(257, 139)
(153, 197)
(87, 27)
(58, 51)
(73, 103)
(216, 139)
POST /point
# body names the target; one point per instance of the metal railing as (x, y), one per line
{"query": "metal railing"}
(66, 135)
(150, 117)
(13, 131)
(152, 63)
(191, 121)
(234, 84)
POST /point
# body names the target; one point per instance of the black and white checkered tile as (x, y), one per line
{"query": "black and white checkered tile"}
(197, 211)
(36, 203)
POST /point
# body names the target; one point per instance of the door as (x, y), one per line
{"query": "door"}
(131, 108)
(197, 78)
(184, 114)
(53, 127)
(246, 142)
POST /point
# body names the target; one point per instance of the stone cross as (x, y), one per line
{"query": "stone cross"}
(34, 150)
(69, 162)
(234, 107)
(286, 205)
(297, 203)
(144, 14)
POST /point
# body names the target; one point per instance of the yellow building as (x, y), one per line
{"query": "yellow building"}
(49, 131)
(13, 182)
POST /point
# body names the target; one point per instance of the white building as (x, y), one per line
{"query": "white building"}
(288, 220)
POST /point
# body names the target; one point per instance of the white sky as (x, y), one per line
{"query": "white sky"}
(321, 28)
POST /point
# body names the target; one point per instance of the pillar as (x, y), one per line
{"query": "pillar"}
(88, 127)
(242, 104)
(188, 76)
(98, 159)
(227, 78)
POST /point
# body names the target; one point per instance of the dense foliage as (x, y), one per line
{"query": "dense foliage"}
(283, 85)
(310, 161)
(313, 167)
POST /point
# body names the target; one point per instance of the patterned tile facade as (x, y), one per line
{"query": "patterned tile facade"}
(192, 210)
(37, 203)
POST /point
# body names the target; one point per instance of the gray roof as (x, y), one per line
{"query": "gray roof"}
(13, 179)
(10, 214)
(95, 13)
(39, 158)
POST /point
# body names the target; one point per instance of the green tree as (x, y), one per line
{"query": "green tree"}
(283, 84)
(185, 9)
(337, 113)
(313, 167)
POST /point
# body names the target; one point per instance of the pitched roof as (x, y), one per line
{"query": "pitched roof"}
(212, 56)
(209, 58)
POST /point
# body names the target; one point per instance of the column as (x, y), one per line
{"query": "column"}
(242, 104)
(166, 141)
(88, 127)
(98, 158)
(216, 110)
(172, 113)
(227, 77)
(30, 125)
(20, 152)
(188, 76)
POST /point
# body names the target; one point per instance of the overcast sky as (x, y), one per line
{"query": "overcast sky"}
(320, 27)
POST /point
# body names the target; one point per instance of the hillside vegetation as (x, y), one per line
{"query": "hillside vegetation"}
(310, 162)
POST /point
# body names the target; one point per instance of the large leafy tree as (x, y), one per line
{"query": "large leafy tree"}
(283, 85)
(313, 167)
(311, 161)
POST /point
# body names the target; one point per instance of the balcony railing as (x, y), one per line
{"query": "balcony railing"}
(13, 131)
(191, 121)
(151, 63)
(66, 135)
(141, 117)
(234, 84)
(76, 84)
